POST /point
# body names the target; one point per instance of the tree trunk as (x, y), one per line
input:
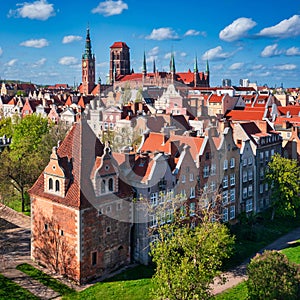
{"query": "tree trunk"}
(23, 200)
(273, 214)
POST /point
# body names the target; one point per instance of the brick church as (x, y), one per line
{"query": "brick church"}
(120, 71)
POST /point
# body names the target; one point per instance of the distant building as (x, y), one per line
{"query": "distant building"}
(226, 82)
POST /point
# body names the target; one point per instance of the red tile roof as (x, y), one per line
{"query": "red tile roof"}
(119, 45)
(245, 115)
(215, 98)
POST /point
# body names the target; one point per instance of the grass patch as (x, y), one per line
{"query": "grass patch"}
(16, 204)
(45, 279)
(238, 292)
(132, 284)
(254, 234)
(292, 253)
(11, 290)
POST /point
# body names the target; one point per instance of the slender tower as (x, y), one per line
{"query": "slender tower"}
(88, 66)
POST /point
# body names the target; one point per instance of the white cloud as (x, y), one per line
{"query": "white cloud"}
(216, 54)
(40, 62)
(71, 38)
(293, 51)
(68, 61)
(257, 67)
(236, 66)
(168, 55)
(38, 10)
(153, 54)
(1, 51)
(110, 8)
(237, 29)
(285, 67)
(12, 62)
(163, 33)
(35, 43)
(270, 51)
(193, 32)
(285, 29)
(183, 54)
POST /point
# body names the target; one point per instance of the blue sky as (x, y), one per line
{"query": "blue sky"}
(42, 41)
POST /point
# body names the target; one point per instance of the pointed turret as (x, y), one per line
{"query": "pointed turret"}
(196, 65)
(207, 67)
(196, 73)
(144, 70)
(172, 64)
(154, 66)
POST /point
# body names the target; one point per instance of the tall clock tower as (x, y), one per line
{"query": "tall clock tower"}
(88, 66)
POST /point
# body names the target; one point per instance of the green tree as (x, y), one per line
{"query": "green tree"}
(32, 140)
(6, 127)
(283, 175)
(272, 276)
(188, 259)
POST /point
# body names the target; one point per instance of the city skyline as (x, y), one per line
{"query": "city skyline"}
(42, 41)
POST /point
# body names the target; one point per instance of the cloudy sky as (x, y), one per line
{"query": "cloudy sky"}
(42, 41)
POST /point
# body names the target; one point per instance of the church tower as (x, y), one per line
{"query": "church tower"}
(119, 60)
(88, 66)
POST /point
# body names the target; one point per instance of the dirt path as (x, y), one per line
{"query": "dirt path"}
(15, 250)
(238, 275)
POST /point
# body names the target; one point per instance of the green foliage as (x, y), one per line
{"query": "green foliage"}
(283, 175)
(272, 276)
(10, 290)
(21, 164)
(188, 259)
(45, 279)
(6, 127)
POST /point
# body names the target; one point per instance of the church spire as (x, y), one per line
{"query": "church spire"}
(154, 66)
(88, 46)
(144, 70)
(207, 67)
(172, 64)
(196, 65)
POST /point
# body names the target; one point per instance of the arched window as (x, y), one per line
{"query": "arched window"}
(56, 186)
(50, 184)
(103, 186)
(111, 185)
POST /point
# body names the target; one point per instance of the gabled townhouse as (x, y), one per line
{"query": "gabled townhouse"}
(81, 209)
(228, 157)
(265, 142)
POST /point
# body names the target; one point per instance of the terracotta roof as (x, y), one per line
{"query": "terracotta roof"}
(119, 45)
(215, 98)
(245, 115)
(293, 110)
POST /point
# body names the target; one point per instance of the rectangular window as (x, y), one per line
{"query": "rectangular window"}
(232, 179)
(225, 181)
(250, 190)
(266, 187)
(192, 194)
(267, 156)
(225, 197)
(249, 205)
(245, 193)
(250, 160)
(232, 162)
(225, 214)
(183, 195)
(206, 171)
(250, 175)
(261, 173)
(205, 188)
(152, 220)
(94, 258)
(232, 195)
(261, 188)
(213, 186)
(261, 156)
(191, 176)
(192, 208)
(183, 179)
(153, 198)
(272, 152)
(245, 176)
(213, 169)
(245, 162)
(225, 164)
(232, 212)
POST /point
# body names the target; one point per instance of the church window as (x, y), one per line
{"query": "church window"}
(94, 258)
(111, 185)
(57, 188)
(50, 184)
(103, 186)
